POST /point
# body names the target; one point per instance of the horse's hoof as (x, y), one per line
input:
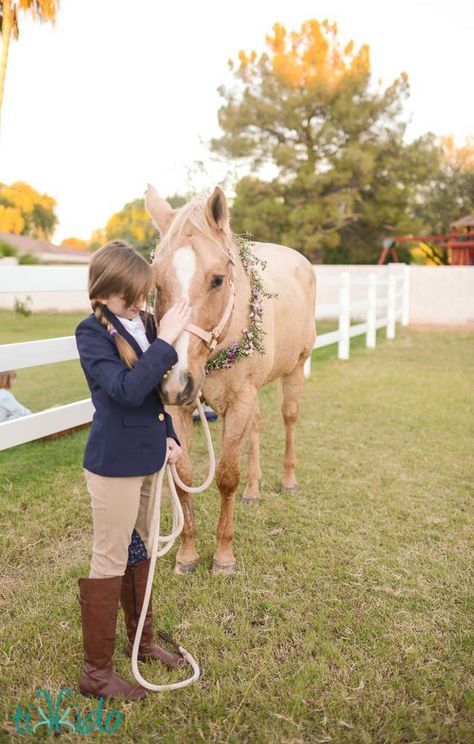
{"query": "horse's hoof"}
(289, 489)
(222, 568)
(185, 568)
(248, 500)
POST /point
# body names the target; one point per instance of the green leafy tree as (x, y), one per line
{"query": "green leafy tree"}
(133, 224)
(450, 193)
(307, 108)
(390, 204)
(259, 208)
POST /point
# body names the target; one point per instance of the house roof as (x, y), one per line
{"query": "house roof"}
(44, 249)
(467, 221)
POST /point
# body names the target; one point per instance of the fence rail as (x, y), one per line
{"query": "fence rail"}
(394, 306)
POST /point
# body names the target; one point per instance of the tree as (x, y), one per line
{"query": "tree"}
(450, 194)
(259, 208)
(24, 211)
(308, 108)
(390, 205)
(133, 224)
(41, 10)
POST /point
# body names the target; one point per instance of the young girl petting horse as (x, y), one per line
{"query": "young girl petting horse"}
(123, 361)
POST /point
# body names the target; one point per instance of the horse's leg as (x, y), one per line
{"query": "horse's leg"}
(187, 556)
(237, 422)
(252, 493)
(292, 387)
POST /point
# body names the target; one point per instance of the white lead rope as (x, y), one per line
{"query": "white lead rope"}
(162, 543)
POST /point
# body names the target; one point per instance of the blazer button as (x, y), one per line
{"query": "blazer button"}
(161, 416)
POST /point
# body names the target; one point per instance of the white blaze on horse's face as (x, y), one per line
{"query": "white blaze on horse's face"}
(184, 263)
(196, 270)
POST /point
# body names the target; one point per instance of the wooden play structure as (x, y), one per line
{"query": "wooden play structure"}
(459, 243)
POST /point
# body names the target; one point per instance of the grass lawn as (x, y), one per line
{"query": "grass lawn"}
(348, 618)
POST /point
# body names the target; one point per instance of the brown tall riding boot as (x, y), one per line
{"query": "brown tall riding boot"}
(99, 600)
(131, 597)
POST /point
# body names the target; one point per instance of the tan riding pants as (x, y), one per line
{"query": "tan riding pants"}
(118, 506)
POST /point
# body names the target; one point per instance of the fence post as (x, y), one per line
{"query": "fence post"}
(391, 302)
(406, 295)
(344, 315)
(371, 337)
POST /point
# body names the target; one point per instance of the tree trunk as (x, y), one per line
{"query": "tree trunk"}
(7, 27)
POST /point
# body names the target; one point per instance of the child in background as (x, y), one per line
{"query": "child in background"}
(10, 408)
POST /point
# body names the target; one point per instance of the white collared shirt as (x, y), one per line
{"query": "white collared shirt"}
(136, 329)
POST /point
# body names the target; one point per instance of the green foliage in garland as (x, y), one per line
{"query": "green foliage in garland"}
(252, 337)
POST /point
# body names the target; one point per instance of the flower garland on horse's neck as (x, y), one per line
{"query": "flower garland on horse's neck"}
(251, 340)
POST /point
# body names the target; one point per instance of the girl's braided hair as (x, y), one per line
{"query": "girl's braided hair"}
(117, 268)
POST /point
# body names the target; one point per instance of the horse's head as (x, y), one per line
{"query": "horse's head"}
(194, 259)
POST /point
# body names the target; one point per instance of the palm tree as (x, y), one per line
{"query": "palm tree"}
(42, 10)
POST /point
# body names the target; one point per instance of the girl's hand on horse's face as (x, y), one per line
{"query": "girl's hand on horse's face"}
(174, 450)
(174, 320)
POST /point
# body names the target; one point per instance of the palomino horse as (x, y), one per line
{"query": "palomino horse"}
(198, 257)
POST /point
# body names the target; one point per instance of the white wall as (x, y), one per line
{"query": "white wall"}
(438, 294)
(442, 294)
(65, 287)
(59, 302)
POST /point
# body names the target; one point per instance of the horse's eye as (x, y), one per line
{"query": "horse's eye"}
(216, 281)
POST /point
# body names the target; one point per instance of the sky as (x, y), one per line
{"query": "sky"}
(118, 94)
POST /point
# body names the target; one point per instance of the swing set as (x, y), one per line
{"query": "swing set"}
(459, 243)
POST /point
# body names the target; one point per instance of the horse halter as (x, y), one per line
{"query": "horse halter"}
(211, 337)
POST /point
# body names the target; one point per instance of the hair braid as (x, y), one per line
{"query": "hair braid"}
(126, 352)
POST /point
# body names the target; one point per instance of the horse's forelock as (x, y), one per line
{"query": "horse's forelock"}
(192, 215)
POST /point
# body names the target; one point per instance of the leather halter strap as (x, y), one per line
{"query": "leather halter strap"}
(211, 337)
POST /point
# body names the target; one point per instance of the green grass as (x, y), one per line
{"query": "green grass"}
(348, 619)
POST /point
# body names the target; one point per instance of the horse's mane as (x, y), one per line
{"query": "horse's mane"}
(193, 214)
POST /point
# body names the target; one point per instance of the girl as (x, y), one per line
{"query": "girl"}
(123, 360)
(10, 408)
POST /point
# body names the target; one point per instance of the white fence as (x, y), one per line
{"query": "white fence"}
(381, 297)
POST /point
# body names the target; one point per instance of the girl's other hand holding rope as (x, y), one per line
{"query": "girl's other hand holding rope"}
(174, 449)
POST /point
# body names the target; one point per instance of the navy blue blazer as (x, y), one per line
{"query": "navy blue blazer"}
(130, 425)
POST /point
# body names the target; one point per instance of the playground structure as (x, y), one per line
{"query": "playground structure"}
(459, 243)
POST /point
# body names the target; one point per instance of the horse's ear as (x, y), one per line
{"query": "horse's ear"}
(217, 213)
(159, 210)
